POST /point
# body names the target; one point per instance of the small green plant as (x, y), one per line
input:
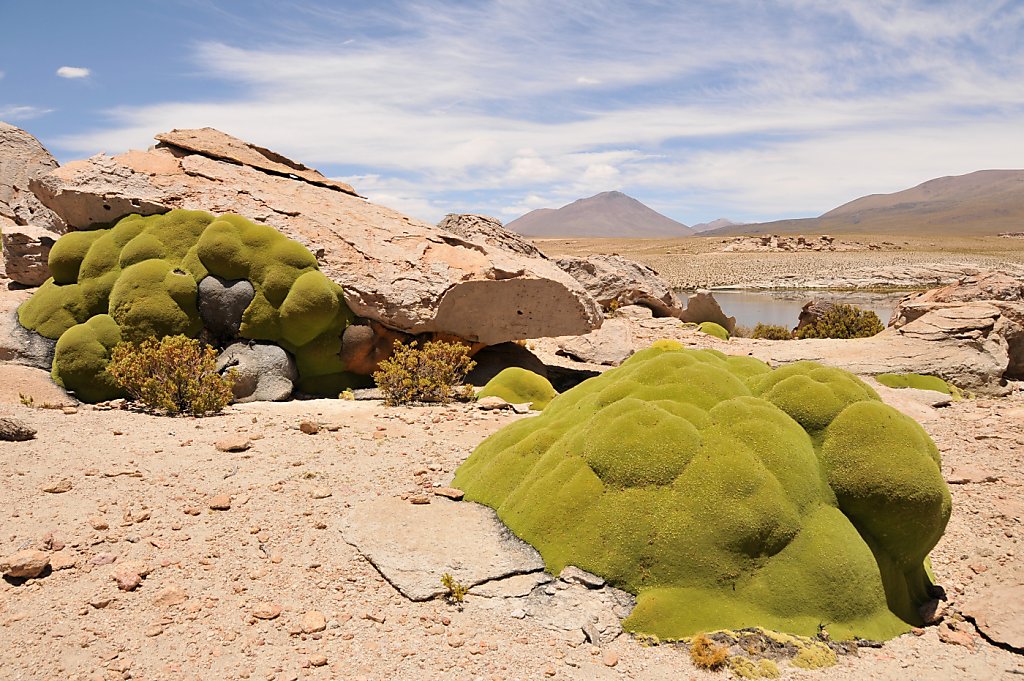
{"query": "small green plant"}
(456, 590)
(706, 654)
(771, 332)
(346, 394)
(430, 374)
(174, 375)
(842, 321)
(26, 400)
(613, 306)
(713, 329)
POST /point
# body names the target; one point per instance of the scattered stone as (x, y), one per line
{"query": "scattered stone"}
(449, 493)
(610, 658)
(170, 595)
(313, 621)
(969, 474)
(62, 560)
(26, 564)
(220, 502)
(375, 617)
(320, 493)
(15, 430)
(103, 559)
(59, 487)
(237, 443)
(100, 602)
(932, 611)
(956, 636)
(318, 660)
(127, 579)
(266, 611)
(571, 574)
(419, 499)
(491, 403)
(154, 631)
(309, 427)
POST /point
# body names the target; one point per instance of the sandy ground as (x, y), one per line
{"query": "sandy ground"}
(140, 490)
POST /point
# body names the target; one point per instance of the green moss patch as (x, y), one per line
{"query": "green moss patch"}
(713, 329)
(726, 494)
(517, 386)
(144, 272)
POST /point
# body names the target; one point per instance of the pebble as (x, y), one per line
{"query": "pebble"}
(103, 559)
(100, 602)
(309, 427)
(419, 499)
(320, 493)
(172, 594)
(238, 443)
(266, 611)
(98, 523)
(127, 580)
(220, 502)
(449, 493)
(313, 621)
(59, 487)
(610, 658)
(25, 564)
(318, 660)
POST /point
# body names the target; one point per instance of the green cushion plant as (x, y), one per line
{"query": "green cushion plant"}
(726, 494)
(517, 386)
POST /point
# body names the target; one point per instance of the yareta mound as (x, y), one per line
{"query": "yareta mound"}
(516, 385)
(140, 278)
(726, 494)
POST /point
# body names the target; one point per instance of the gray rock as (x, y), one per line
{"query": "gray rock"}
(15, 430)
(490, 230)
(615, 281)
(702, 307)
(26, 250)
(612, 344)
(18, 345)
(264, 371)
(412, 545)
(222, 303)
(572, 574)
(23, 158)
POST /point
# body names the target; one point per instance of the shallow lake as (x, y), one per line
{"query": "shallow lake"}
(783, 306)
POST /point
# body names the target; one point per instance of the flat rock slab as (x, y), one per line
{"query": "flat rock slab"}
(998, 612)
(413, 545)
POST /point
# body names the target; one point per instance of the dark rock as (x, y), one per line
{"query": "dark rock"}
(222, 303)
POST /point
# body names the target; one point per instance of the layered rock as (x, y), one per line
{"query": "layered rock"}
(406, 274)
(490, 231)
(29, 228)
(989, 304)
(614, 281)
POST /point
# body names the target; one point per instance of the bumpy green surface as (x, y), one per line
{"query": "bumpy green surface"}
(81, 357)
(712, 329)
(726, 495)
(517, 386)
(144, 272)
(919, 381)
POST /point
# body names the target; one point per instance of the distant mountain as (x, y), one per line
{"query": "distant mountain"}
(976, 204)
(720, 223)
(608, 214)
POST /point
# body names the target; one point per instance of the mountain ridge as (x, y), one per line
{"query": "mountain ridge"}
(607, 214)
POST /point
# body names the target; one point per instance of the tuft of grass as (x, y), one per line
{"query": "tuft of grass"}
(430, 374)
(456, 590)
(706, 654)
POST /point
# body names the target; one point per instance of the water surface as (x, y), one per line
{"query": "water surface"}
(782, 307)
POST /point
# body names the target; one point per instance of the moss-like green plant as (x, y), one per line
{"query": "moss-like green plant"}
(713, 329)
(771, 332)
(173, 375)
(842, 321)
(144, 272)
(726, 494)
(81, 357)
(918, 381)
(427, 374)
(517, 385)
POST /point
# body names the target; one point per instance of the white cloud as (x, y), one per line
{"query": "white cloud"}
(2, 74)
(22, 113)
(73, 72)
(718, 102)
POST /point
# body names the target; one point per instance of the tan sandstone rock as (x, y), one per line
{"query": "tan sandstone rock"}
(26, 249)
(25, 564)
(404, 273)
(615, 282)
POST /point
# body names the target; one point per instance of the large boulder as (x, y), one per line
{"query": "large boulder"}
(615, 281)
(702, 307)
(26, 249)
(404, 273)
(610, 345)
(975, 307)
(23, 158)
(263, 372)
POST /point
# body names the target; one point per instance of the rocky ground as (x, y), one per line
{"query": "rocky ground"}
(248, 575)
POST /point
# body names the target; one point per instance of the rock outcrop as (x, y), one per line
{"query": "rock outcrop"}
(26, 249)
(24, 221)
(614, 282)
(612, 344)
(702, 307)
(406, 274)
(490, 231)
(974, 308)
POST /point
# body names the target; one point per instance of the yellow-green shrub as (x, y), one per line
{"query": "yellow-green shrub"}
(174, 374)
(429, 374)
(771, 332)
(842, 321)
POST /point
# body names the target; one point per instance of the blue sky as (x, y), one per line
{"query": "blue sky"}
(749, 109)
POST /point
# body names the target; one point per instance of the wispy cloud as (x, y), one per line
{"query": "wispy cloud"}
(73, 72)
(22, 113)
(750, 110)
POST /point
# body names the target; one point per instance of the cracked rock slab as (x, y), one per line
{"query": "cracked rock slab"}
(413, 545)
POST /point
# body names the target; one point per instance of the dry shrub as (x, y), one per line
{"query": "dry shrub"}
(843, 321)
(430, 374)
(706, 654)
(771, 332)
(173, 374)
